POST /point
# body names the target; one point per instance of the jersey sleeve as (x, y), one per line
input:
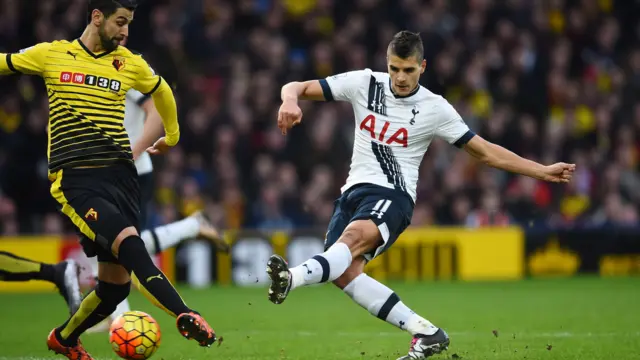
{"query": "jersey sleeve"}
(150, 84)
(344, 86)
(147, 81)
(28, 61)
(451, 127)
(137, 97)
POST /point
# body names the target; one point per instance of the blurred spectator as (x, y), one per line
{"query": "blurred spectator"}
(490, 212)
(553, 81)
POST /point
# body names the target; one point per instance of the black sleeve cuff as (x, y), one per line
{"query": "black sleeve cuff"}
(10, 64)
(464, 139)
(326, 90)
(155, 87)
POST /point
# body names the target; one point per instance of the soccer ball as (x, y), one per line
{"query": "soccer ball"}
(134, 335)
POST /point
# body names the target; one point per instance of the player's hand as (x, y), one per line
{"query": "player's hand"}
(159, 147)
(559, 172)
(289, 116)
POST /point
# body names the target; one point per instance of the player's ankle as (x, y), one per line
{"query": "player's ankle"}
(68, 342)
(297, 276)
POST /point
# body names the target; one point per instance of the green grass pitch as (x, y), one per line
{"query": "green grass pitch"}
(579, 318)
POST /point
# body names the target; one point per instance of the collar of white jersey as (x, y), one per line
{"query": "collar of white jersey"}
(413, 92)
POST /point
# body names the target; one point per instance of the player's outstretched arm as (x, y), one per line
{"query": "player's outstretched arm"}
(498, 157)
(27, 61)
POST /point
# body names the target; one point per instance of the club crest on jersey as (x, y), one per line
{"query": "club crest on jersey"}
(415, 112)
(91, 215)
(118, 62)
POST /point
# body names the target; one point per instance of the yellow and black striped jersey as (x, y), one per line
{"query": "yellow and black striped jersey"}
(86, 99)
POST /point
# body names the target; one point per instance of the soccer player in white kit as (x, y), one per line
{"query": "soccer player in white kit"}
(395, 121)
(144, 126)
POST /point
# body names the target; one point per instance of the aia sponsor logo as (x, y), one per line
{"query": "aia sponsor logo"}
(400, 136)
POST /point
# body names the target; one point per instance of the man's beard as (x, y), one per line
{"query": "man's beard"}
(108, 43)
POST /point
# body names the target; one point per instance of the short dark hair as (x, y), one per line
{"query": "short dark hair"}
(109, 7)
(406, 44)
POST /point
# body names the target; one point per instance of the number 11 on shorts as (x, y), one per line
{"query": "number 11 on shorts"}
(381, 207)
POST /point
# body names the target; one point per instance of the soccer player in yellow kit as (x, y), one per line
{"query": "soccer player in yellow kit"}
(91, 167)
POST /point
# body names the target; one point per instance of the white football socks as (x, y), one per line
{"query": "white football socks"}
(325, 267)
(167, 236)
(383, 303)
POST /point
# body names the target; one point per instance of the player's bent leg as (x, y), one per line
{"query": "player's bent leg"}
(359, 237)
(113, 287)
(133, 255)
(63, 274)
(319, 269)
(105, 325)
(384, 304)
(353, 271)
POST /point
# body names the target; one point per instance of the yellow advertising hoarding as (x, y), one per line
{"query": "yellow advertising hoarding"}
(448, 253)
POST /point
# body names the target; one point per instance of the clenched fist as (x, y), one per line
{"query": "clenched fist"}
(559, 172)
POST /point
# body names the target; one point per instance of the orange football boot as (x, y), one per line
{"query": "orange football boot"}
(72, 353)
(193, 326)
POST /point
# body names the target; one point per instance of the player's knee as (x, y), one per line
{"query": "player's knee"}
(112, 294)
(124, 234)
(361, 236)
(134, 256)
(353, 271)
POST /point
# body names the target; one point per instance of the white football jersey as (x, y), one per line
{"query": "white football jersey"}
(392, 133)
(134, 117)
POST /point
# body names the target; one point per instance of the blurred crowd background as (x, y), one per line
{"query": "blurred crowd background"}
(552, 80)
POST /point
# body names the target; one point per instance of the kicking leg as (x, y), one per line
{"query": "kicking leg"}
(359, 237)
(375, 216)
(132, 254)
(63, 274)
(384, 304)
(113, 286)
(164, 237)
